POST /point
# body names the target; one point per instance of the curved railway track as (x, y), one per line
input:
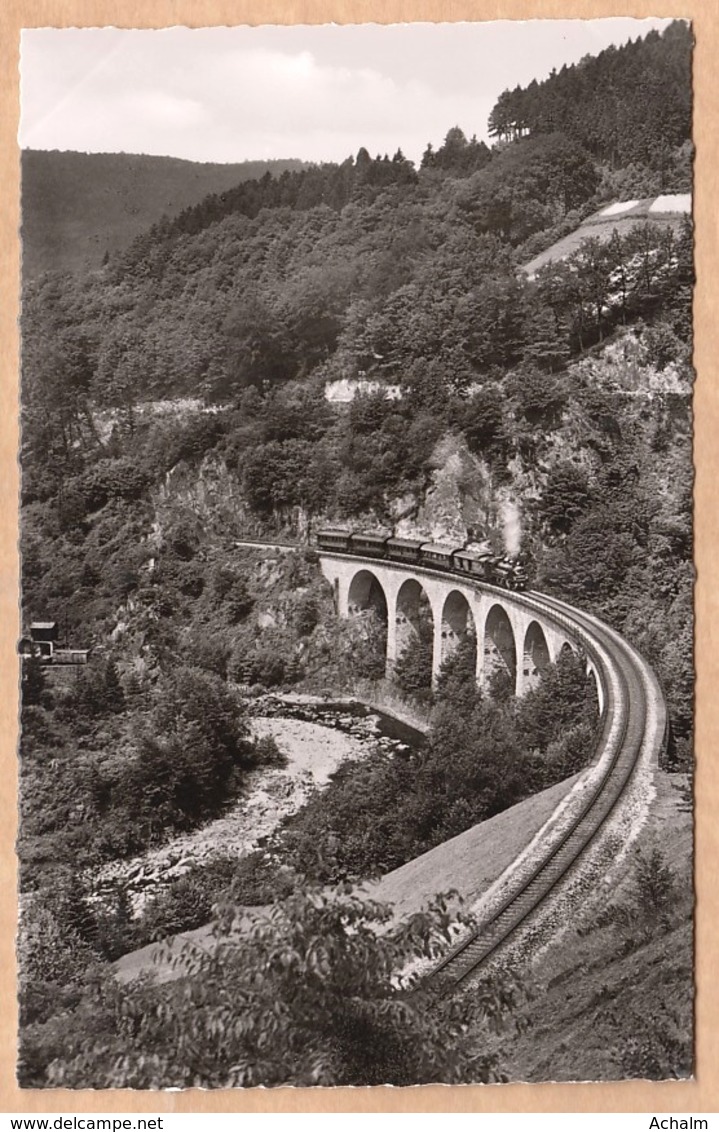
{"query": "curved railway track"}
(633, 729)
(633, 726)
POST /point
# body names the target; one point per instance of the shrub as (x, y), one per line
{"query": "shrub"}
(190, 758)
(190, 440)
(267, 753)
(655, 889)
(307, 995)
(659, 1048)
(34, 683)
(306, 615)
(541, 397)
(565, 497)
(413, 669)
(97, 691)
(53, 960)
(187, 901)
(265, 666)
(123, 478)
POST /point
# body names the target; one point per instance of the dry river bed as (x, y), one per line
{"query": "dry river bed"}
(313, 752)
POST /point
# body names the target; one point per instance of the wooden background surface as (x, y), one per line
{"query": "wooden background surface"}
(699, 1095)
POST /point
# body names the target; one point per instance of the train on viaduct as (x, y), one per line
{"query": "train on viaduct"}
(403, 585)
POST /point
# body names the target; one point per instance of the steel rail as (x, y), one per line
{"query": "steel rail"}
(531, 892)
(624, 677)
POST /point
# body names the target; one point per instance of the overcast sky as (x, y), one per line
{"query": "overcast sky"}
(317, 93)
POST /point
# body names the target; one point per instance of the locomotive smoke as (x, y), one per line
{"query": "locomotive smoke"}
(511, 528)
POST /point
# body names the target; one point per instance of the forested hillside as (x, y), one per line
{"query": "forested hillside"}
(603, 103)
(174, 402)
(369, 270)
(78, 208)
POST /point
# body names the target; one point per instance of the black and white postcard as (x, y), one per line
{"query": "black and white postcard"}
(356, 643)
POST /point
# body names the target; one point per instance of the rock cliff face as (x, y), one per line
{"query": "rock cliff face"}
(464, 504)
(467, 499)
(210, 494)
(457, 505)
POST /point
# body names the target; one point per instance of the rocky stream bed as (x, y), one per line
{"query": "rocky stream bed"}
(316, 737)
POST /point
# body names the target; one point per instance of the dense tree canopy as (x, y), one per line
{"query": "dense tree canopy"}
(176, 404)
(603, 102)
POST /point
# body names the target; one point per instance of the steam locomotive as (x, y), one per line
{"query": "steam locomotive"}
(506, 572)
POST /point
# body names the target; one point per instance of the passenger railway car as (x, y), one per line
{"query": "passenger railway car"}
(439, 556)
(404, 550)
(334, 539)
(375, 546)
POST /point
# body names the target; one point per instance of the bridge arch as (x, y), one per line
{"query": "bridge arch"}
(499, 646)
(366, 592)
(366, 597)
(413, 614)
(457, 624)
(536, 657)
(569, 648)
(598, 689)
(510, 635)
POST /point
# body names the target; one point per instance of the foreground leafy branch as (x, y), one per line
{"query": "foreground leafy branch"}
(321, 990)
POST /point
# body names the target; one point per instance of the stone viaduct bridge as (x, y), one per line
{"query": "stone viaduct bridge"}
(521, 634)
(510, 634)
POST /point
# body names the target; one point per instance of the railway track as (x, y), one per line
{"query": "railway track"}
(633, 727)
(633, 724)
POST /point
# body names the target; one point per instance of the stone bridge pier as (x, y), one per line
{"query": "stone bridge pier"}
(509, 637)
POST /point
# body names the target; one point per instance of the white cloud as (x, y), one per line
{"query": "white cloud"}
(156, 106)
(228, 94)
